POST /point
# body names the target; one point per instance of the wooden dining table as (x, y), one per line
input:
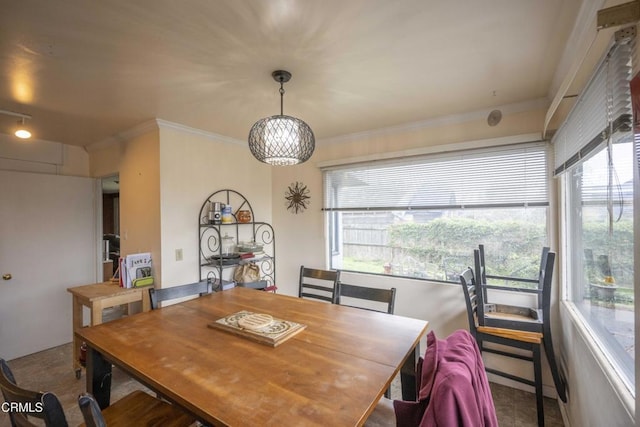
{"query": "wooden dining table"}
(333, 372)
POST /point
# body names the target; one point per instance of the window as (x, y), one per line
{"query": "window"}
(422, 217)
(601, 228)
(595, 157)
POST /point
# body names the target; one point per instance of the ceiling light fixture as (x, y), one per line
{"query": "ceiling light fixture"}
(21, 129)
(281, 140)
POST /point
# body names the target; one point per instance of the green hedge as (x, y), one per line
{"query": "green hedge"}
(511, 247)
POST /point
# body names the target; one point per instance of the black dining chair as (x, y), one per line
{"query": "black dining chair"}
(387, 297)
(137, 408)
(140, 409)
(516, 339)
(370, 299)
(41, 405)
(535, 318)
(319, 284)
(165, 294)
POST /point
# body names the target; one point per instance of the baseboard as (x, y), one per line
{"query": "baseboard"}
(547, 391)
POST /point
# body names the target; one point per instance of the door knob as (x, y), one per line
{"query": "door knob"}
(6, 276)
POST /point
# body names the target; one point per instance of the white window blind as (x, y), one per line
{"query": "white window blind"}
(508, 176)
(603, 109)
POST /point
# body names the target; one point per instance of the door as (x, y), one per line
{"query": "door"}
(47, 244)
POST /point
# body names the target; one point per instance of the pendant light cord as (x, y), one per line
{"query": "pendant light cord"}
(281, 98)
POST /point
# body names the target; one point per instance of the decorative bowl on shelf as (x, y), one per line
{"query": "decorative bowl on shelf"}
(249, 247)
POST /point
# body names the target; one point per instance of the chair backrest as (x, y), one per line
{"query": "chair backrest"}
(543, 273)
(91, 411)
(386, 296)
(545, 281)
(481, 275)
(26, 403)
(319, 284)
(164, 294)
(480, 270)
(472, 298)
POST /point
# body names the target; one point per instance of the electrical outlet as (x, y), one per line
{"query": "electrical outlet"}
(178, 254)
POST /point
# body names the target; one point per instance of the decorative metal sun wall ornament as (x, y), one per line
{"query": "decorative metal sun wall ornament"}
(297, 197)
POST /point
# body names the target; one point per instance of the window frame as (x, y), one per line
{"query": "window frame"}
(566, 162)
(470, 149)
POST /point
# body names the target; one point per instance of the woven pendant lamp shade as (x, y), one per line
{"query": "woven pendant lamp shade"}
(281, 140)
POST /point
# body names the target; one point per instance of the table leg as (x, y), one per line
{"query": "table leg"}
(408, 376)
(96, 312)
(144, 296)
(98, 377)
(77, 325)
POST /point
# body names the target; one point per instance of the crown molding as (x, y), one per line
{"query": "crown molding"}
(205, 134)
(157, 124)
(141, 129)
(518, 107)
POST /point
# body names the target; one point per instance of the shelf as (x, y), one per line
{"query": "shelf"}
(235, 223)
(213, 265)
(233, 263)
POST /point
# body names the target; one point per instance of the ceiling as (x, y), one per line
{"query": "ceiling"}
(86, 71)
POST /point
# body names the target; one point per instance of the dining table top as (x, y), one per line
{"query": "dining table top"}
(331, 373)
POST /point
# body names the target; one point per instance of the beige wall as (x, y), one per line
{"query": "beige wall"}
(194, 165)
(166, 173)
(140, 214)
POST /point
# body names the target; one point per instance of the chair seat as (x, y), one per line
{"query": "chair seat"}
(140, 409)
(383, 415)
(513, 317)
(525, 314)
(524, 336)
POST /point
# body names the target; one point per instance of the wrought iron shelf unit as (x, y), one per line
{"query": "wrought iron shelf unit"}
(215, 265)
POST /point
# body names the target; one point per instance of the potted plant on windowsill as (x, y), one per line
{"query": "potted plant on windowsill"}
(605, 289)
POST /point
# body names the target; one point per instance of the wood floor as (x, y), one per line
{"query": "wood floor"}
(51, 370)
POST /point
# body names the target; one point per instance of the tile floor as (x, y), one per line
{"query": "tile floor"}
(51, 370)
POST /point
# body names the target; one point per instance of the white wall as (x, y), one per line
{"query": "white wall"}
(194, 165)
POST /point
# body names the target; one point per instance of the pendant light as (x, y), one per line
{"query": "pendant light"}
(281, 140)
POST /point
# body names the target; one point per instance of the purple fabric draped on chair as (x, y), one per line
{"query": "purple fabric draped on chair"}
(453, 389)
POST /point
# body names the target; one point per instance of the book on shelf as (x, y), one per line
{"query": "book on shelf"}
(136, 270)
(251, 255)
